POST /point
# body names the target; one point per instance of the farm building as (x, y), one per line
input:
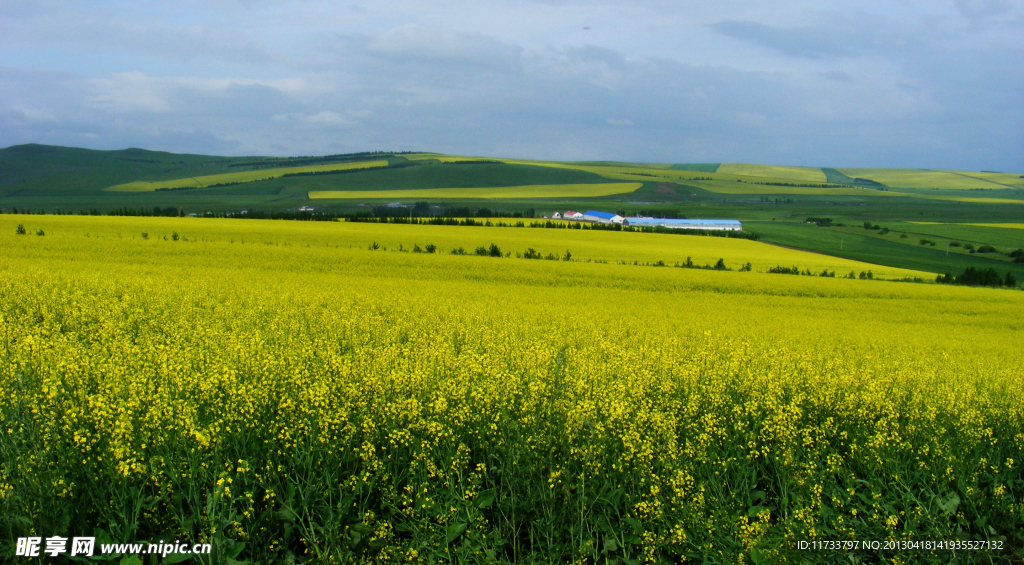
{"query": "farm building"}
(571, 215)
(602, 217)
(694, 224)
(556, 216)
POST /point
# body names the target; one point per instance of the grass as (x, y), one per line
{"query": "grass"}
(528, 191)
(805, 174)
(950, 180)
(858, 244)
(241, 177)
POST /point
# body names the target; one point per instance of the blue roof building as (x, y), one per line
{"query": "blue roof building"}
(692, 224)
(602, 217)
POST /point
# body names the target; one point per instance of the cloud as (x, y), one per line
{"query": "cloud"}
(418, 44)
(799, 83)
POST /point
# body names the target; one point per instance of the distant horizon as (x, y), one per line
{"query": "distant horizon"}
(677, 162)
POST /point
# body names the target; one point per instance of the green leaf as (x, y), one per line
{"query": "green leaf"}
(949, 503)
(757, 556)
(131, 560)
(454, 530)
(485, 499)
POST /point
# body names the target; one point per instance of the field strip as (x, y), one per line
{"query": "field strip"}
(240, 177)
(806, 174)
(1006, 226)
(525, 191)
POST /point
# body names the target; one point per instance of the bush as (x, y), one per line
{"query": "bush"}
(567, 256)
(955, 244)
(175, 237)
(1019, 259)
(747, 267)
(431, 248)
(903, 236)
(458, 251)
(20, 230)
(1017, 253)
(481, 251)
(720, 265)
(531, 253)
(987, 249)
(40, 232)
(145, 235)
(969, 247)
(494, 251)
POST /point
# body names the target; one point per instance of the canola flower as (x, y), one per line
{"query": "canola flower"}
(335, 404)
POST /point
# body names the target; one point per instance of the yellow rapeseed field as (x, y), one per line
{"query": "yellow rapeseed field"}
(299, 392)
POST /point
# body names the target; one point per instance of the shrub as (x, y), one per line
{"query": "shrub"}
(567, 256)
(1017, 253)
(746, 267)
(481, 251)
(20, 230)
(176, 237)
(987, 249)
(494, 251)
(531, 253)
(779, 269)
(969, 246)
(458, 251)
(145, 235)
(40, 232)
(431, 248)
(903, 236)
(955, 244)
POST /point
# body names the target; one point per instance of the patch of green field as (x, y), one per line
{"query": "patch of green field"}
(806, 174)
(525, 191)
(851, 245)
(952, 180)
(1006, 226)
(966, 233)
(241, 177)
(697, 167)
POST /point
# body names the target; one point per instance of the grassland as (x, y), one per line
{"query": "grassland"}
(51, 179)
(241, 177)
(285, 391)
(807, 174)
(950, 180)
(535, 191)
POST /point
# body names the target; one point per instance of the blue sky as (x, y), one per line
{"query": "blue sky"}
(903, 83)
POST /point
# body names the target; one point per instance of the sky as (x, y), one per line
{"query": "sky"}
(900, 83)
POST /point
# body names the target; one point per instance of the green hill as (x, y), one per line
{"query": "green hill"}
(914, 206)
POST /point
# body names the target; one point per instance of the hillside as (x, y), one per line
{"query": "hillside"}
(934, 221)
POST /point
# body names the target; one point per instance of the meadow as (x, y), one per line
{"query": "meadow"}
(535, 191)
(241, 177)
(299, 392)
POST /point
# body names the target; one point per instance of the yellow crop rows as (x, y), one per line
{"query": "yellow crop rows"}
(322, 392)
